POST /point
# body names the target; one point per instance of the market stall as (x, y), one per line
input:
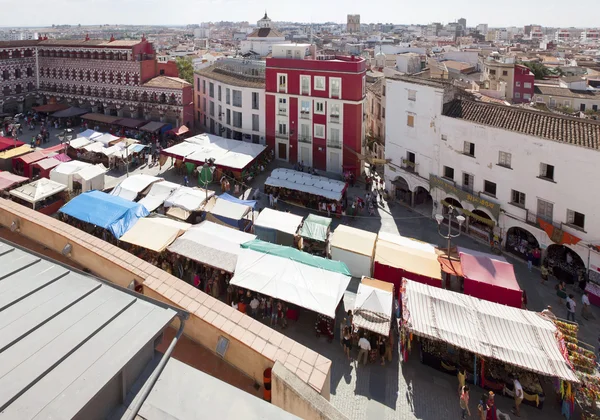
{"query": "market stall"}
(102, 121)
(398, 257)
(130, 188)
(91, 177)
(154, 234)
(89, 134)
(7, 156)
(285, 273)
(315, 231)
(228, 212)
(157, 195)
(305, 189)
(42, 168)
(7, 143)
(211, 244)
(22, 165)
(106, 211)
(488, 341)
(373, 306)
(355, 248)
(185, 203)
(65, 172)
(276, 226)
(490, 277)
(42, 195)
(155, 127)
(9, 181)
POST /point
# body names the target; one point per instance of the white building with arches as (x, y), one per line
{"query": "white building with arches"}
(517, 175)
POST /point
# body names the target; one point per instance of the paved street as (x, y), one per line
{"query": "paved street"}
(410, 391)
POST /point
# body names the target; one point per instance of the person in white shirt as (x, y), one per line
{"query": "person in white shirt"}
(585, 306)
(271, 198)
(571, 305)
(254, 306)
(518, 397)
(364, 349)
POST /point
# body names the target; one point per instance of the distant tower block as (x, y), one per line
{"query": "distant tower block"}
(353, 23)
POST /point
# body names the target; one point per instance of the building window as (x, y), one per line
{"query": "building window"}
(204, 105)
(320, 131)
(255, 100)
(489, 187)
(517, 198)
(469, 149)
(211, 89)
(282, 129)
(212, 109)
(468, 181)
(255, 123)
(444, 137)
(504, 73)
(237, 119)
(319, 82)
(237, 98)
(383, 112)
(282, 106)
(219, 92)
(545, 209)
(517, 95)
(546, 171)
(335, 87)
(410, 120)
(304, 133)
(493, 72)
(204, 87)
(518, 84)
(575, 219)
(504, 159)
(527, 96)
(227, 100)
(319, 107)
(412, 95)
(304, 109)
(334, 138)
(220, 112)
(334, 113)
(282, 79)
(527, 85)
(449, 173)
(228, 116)
(305, 85)
(383, 90)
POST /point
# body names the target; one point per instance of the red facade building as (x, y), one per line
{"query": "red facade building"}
(315, 108)
(524, 82)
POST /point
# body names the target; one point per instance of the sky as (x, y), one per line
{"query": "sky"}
(181, 12)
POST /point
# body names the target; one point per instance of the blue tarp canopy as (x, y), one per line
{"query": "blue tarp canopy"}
(249, 203)
(110, 212)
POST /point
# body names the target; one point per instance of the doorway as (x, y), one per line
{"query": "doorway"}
(282, 151)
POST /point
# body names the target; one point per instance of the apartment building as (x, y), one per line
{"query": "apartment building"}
(513, 173)
(315, 108)
(230, 99)
(572, 93)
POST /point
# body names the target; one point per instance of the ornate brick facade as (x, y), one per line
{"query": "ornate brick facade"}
(113, 77)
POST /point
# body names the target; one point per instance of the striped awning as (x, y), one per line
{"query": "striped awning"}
(515, 336)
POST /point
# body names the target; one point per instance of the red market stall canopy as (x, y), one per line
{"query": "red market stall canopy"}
(8, 180)
(488, 277)
(50, 108)
(8, 143)
(398, 257)
(514, 336)
(179, 131)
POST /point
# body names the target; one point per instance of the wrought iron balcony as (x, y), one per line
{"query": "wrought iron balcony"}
(282, 135)
(334, 144)
(334, 118)
(304, 139)
(305, 115)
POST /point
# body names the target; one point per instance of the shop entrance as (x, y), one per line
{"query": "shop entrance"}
(521, 242)
(481, 225)
(566, 264)
(401, 190)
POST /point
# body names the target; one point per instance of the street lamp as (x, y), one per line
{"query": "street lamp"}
(439, 218)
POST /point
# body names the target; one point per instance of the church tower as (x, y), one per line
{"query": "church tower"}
(265, 22)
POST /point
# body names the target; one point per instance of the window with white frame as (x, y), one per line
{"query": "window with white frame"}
(545, 209)
(212, 108)
(282, 78)
(504, 159)
(211, 89)
(412, 95)
(334, 113)
(237, 98)
(237, 119)
(527, 85)
(335, 87)
(305, 132)
(518, 84)
(575, 218)
(517, 95)
(255, 122)
(319, 107)
(469, 148)
(527, 96)
(517, 198)
(255, 100)
(305, 85)
(282, 129)
(319, 130)
(227, 96)
(319, 82)
(334, 137)
(468, 181)
(547, 171)
(282, 106)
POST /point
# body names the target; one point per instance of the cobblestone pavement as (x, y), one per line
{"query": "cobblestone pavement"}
(410, 390)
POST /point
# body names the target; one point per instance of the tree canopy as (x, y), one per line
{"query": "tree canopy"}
(538, 69)
(185, 69)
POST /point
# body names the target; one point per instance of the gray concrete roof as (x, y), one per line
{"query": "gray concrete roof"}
(185, 393)
(64, 335)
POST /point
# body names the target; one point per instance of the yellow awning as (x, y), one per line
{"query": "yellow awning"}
(17, 151)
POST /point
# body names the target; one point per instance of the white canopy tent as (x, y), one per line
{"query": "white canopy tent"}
(154, 234)
(211, 244)
(96, 147)
(277, 226)
(106, 138)
(519, 337)
(310, 287)
(187, 198)
(181, 150)
(229, 209)
(65, 172)
(373, 306)
(355, 247)
(91, 177)
(157, 195)
(130, 187)
(79, 142)
(90, 134)
(38, 190)
(307, 183)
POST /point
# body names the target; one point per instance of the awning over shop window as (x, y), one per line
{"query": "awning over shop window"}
(556, 235)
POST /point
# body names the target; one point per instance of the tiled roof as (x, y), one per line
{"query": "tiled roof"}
(265, 33)
(376, 87)
(89, 43)
(167, 82)
(567, 93)
(580, 132)
(18, 44)
(234, 79)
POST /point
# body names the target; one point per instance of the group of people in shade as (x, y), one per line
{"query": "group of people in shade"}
(486, 408)
(371, 346)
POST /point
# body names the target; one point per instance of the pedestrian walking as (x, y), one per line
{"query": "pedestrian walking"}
(271, 199)
(544, 273)
(482, 407)
(561, 291)
(585, 306)
(186, 181)
(462, 377)
(571, 305)
(347, 342)
(365, 348)
(518, 397)
(464, 402)
(529, 260)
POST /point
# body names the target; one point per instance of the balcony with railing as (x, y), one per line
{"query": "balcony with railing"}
(281, 135)
(304, 139)
(334, 118)
(409, 166)
(334, 144)
(282, 88)
(335, 93)
(305, 115)
(282, 110)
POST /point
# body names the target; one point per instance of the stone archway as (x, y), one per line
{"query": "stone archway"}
(520, 242)
(402, 190)
(422, 199)
(566, 264)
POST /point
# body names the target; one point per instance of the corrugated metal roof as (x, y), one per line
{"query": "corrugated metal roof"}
(64, 335)
(514, 336)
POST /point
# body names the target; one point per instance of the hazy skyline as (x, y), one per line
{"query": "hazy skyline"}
(182, 12)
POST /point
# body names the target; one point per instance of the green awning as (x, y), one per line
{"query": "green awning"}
(315, 227)
(296, 255)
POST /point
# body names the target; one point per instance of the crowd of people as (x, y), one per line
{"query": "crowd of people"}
(371, 346)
